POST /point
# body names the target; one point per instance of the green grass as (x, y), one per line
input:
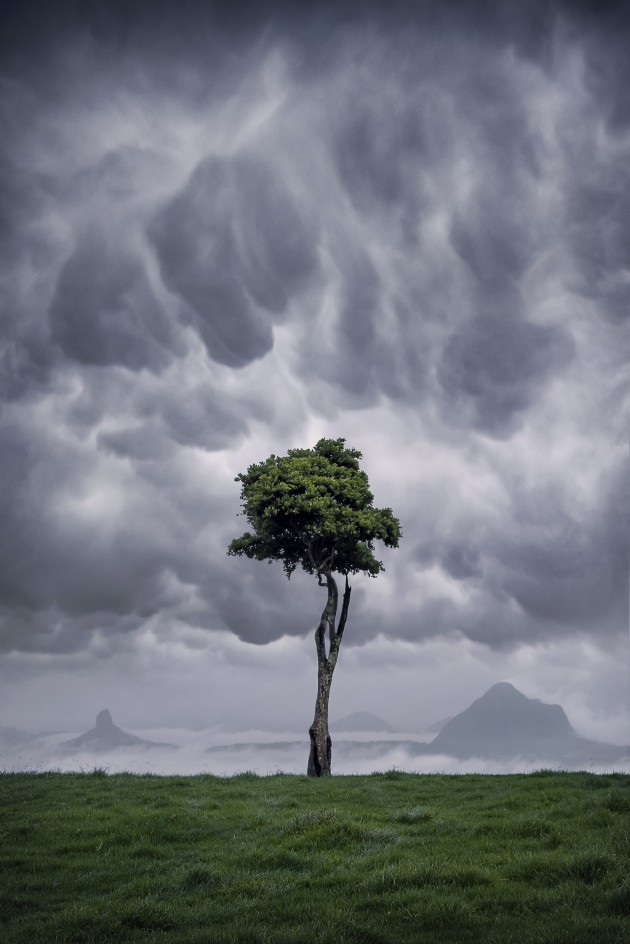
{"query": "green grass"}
(533, 859)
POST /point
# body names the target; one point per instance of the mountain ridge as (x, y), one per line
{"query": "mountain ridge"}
(106, 736)
(503, 723)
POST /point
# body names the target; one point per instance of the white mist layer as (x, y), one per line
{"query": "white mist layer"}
(220, 753)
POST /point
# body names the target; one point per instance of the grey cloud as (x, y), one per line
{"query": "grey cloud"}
(599, 228)
(278, 245)
(49, 630)
(79, 569)
(429, 225)
(198, 417)
(114, 562)
(145, 442)
(493, 241)
(597, 183)
(150, 422)
(607, 69)
(448, 110)
(494, 368)
(548, 570)
(462, 563)
(235, 248)
(25, 364)
(260, 605)
(404, 364)
(104, 311)
(354, 358)
(26, 357)
(569, 569)
(545, 571)
(380, 146)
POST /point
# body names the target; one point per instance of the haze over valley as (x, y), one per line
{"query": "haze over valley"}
(500, 732)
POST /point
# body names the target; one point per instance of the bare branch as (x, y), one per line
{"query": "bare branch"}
(344, 609)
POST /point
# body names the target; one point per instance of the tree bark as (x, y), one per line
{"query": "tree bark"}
(319, 761)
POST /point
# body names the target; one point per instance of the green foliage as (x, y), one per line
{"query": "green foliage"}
(313, 508)
(382, 858)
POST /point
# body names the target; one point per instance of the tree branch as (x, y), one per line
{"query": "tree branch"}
(331, 604)
(330, 560)
(309, 548)
(329, 613)
(344, 609)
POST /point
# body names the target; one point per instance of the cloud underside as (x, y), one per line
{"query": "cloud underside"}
(412, 233)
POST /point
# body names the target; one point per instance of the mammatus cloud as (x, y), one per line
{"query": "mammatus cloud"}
(404, 227)
(234, 248)
(104, 312)
(494, 367)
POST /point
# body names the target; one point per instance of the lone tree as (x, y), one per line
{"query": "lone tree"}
(313, 508)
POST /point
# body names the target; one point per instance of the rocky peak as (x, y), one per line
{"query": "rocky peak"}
(104, 721)
(504, 722)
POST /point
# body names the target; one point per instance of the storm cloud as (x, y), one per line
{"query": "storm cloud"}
(228, 231)
(234, 248)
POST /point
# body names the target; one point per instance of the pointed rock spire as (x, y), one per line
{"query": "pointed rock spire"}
(104, 720)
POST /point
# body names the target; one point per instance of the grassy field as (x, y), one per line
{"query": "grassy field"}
(389, 857)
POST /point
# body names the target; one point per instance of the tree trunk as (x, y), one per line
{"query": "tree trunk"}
(319, 761)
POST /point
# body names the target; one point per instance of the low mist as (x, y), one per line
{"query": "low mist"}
(215, 751)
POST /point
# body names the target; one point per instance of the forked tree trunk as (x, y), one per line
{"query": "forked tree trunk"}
(319, 761)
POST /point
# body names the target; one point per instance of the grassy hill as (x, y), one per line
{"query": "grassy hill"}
(529, 859)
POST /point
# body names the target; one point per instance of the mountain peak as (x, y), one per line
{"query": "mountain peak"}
(503, 691)
(105, 736)
(104, 721)
(504, 722)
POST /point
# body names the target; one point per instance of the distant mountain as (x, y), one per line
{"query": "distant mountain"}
(361, 721)
(437, 725)
(500, 726)
(504, 723)
(106, 736)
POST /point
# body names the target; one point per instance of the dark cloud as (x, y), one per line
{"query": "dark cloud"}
(25, 350)
(599, 228)
(569, 569)
(141, 443)
(462, 562)
(235, 248)
(24, 365)
(94, 542)
(494, 368)
(54, 557)
(104, 311)
(380, 145)
(493, 242)
(222, 230)
(260, 605)
(200, 417)
(546, 571)
(355, 342)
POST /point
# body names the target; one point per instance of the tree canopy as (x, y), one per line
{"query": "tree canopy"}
(313, 508)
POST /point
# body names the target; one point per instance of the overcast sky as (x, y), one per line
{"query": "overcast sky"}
(228, 231)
